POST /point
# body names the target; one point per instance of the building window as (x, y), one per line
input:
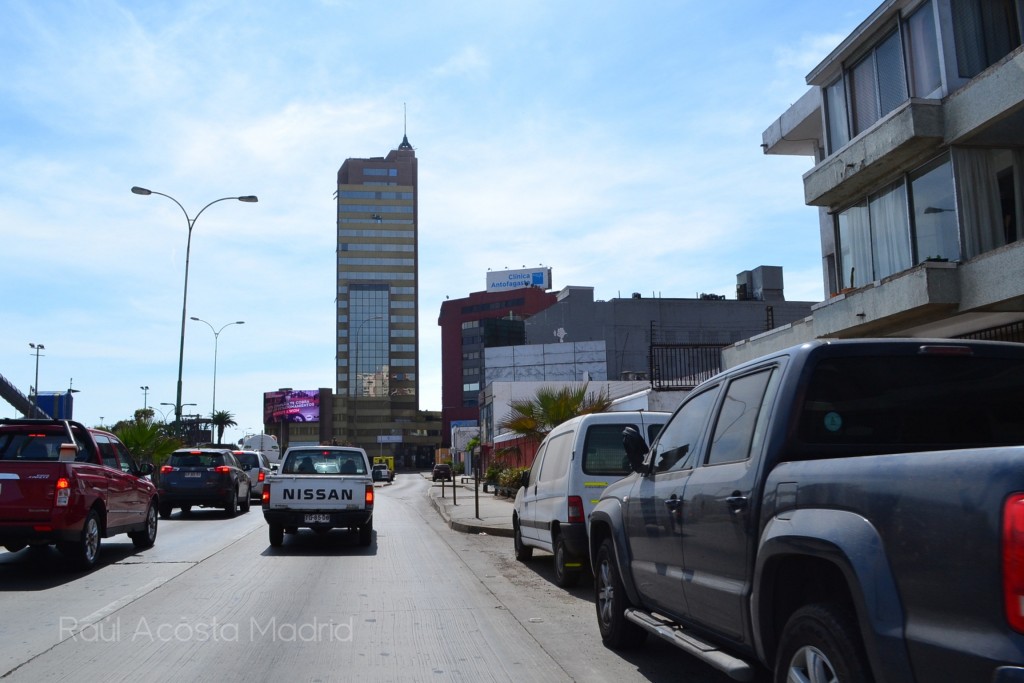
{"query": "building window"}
(878, 84)
(922, 52)
(835, 114)
(991, 196)
(936, 234)
(984, 32)
(874, 238)
(890, 230)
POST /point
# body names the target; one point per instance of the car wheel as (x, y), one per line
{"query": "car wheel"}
(147, 536)
(820, 642)
(565, 576)
(366, 533)
(617, 632)
(165, 510)
(84, 552)
(276, 535)
(523, 551)
(232, 507)
(247, 501)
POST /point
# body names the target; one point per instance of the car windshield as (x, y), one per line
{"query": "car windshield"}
(318, 461)
(197, 460)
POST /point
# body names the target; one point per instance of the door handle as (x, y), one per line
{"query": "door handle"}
(674, 503)
(737, 503)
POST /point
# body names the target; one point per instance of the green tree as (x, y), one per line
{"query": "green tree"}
(222, 419)
(535, 417)
(147, 441)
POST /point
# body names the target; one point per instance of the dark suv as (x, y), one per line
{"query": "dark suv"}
(442, 471)
(205, 477)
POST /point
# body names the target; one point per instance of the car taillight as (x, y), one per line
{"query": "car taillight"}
(63, 492)
(222, 469)
(1013, 561)
(369, 495)
(165, 469)
(575, 510)
(262, 476)
(265, 496)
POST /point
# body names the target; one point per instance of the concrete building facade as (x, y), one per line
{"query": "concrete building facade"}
(915, 125)
(469, 326)
(642, 335)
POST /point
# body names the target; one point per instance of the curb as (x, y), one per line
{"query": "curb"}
(468, 527)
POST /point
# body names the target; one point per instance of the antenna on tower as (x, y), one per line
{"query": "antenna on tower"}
(405, 119)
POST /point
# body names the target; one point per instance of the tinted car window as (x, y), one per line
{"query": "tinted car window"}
(29, 446)
(678, 440)
(196, 460)
(917, 403)
(603, 453)
(316, 461)
(248, 461)
(735, 427)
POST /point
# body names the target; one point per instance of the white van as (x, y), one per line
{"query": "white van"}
(574, 464)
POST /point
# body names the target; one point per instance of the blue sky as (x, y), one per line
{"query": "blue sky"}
(616, 142)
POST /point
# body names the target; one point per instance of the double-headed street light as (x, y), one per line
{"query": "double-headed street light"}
(184, 299)
(35, 387)
(145, 397)
(216, 336)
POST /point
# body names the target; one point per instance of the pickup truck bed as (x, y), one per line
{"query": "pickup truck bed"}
(320, 488)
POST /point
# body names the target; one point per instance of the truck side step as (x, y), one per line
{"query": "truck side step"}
(734, 667)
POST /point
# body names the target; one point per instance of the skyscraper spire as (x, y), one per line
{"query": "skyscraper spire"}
(405, 129)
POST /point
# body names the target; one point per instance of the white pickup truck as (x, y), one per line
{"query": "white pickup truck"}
(320, 488)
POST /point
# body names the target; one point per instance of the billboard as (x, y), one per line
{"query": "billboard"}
(503, 280)
(291, 406)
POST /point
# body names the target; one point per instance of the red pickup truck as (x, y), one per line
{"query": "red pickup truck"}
(65, 484)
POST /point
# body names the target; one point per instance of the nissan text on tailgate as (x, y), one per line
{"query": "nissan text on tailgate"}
(320, 488)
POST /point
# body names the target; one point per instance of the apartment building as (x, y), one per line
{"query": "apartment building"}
(915, 125)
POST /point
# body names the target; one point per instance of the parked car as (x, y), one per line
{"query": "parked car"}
(382, 473)
(441, 471)
(257, 466)
(576, 461)
(203, 477)
(65, 484)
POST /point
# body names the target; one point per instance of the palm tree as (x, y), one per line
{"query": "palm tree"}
(146, 440)
(535, 417)
(222, 419)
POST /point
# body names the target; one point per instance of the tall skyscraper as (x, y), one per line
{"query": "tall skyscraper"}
(377, 389)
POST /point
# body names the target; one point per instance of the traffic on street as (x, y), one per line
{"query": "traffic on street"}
(213, 600)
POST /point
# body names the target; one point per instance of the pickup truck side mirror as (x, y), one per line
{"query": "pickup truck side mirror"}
(145, 469)
(524, 479)
(636, 448)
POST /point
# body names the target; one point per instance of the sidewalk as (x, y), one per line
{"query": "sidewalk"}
(495, 516)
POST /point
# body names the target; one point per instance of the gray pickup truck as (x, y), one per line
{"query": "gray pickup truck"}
(844, 511)
(320, 488)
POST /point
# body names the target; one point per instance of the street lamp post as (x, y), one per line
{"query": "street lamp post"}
(35, 387)
(145, 397)
(216, 336)
(184, 298)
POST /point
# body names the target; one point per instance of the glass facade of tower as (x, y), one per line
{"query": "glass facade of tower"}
(377, 301)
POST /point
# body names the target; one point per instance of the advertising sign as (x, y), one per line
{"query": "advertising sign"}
(502, 280)
(291, 406)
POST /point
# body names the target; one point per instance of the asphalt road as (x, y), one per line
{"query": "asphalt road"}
(212, 601)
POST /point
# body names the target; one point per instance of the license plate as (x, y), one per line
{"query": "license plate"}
(318, 519)
(193, 475)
